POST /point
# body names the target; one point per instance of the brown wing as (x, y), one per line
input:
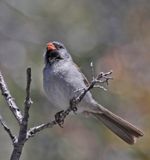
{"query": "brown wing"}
(84, 78)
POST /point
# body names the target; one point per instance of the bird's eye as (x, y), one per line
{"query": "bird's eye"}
(60, 47)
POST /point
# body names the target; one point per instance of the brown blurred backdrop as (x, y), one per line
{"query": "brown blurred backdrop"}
(114, 35)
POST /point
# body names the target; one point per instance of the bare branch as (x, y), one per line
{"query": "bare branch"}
(7, 129)
(24, 125)
(60, 116)
(28, 102)
(10, 100)
(25, 134)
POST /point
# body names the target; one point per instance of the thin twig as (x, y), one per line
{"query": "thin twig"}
(10, 100)
(92, 70)
(7, 129)
(28, 101)
(33, 131)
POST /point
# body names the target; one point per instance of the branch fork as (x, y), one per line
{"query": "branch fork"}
(22, 118)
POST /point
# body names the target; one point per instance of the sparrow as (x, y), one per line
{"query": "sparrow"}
(62, 79)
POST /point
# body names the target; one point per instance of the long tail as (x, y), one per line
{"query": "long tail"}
(125, 130)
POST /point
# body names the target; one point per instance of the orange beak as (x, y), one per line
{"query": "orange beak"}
(50, 46)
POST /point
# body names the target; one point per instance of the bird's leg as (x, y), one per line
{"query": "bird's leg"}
(59, 118)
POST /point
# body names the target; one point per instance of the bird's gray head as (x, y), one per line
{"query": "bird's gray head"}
(55, 52)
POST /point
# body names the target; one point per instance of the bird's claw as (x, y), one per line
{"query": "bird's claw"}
(74, 109)
(73, 105)
(59, 118)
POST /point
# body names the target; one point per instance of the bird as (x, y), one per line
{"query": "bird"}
(62, 78)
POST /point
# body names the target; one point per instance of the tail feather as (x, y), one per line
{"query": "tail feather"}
(125, 130)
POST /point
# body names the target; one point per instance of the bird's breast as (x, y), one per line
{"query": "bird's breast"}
(57, 89)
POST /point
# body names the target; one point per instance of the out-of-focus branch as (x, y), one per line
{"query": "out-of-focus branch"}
(7, 129)
(10, 100)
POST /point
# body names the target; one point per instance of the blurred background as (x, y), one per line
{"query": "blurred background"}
(114, 35)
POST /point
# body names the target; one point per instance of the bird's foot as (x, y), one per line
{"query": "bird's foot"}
(73, 105)
(74, 109)
(59, 118)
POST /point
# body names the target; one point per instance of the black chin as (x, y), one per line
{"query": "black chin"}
(52, 56)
